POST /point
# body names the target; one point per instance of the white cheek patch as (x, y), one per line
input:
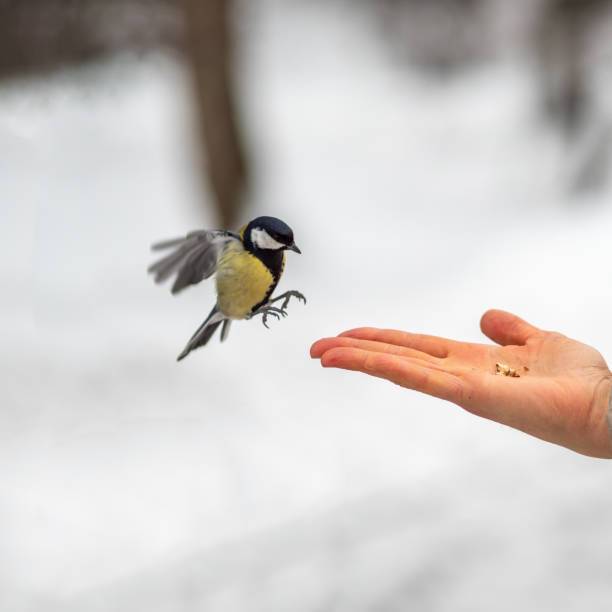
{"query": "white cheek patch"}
(262, 240)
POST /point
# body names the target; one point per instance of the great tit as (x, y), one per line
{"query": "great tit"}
(248, 265)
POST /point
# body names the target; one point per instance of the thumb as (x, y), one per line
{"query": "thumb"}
(505, 328)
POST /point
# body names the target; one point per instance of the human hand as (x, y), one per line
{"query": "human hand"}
(560, 395)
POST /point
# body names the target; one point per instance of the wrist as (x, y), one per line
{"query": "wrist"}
(609, 413)
(601, 419)
(607, 409)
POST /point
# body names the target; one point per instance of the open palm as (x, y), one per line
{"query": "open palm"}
(557, 390)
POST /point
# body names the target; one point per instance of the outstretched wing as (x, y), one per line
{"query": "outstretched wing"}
(193, 257)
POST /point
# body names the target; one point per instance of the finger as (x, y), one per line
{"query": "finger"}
(505, 328)
(325, 344)
(434, 346)
(409, 373)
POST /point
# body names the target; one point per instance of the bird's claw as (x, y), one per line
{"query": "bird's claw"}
(270, 311)
(287, 298)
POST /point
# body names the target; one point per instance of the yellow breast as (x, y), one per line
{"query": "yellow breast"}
(242, 281)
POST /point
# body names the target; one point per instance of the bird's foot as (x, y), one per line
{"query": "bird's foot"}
(286, 297)
(266, 311)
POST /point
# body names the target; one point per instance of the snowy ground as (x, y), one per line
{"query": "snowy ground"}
(246, 478)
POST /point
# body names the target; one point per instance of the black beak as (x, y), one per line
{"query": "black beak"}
(293, 247)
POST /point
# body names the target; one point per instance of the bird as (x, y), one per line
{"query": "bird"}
(248, 265)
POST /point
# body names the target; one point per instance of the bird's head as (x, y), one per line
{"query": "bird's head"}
(269, 234)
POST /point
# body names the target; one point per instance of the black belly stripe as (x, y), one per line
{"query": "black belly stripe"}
(275, 262)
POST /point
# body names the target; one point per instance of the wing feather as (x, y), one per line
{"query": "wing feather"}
(193, 259)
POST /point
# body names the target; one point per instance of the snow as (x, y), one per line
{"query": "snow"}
(247, 478)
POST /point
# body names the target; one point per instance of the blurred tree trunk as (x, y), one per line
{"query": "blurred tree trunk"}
(563, 39)
(209, 46)
(560, 40)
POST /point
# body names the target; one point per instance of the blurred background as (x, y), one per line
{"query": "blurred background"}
(435, 158)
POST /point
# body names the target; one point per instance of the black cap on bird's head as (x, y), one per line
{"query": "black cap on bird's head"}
(269, 233)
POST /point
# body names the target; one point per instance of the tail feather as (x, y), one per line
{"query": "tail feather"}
(205, 332)
(225, 329)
